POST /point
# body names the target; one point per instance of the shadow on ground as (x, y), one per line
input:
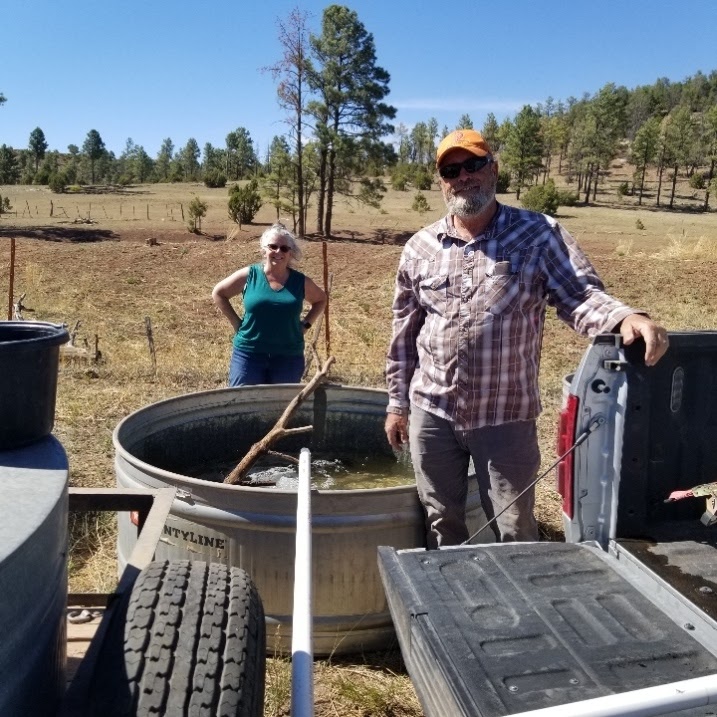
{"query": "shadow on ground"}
(377, 236)
(62, 234)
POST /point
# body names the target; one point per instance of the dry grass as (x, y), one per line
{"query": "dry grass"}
(111, 286)
(374, 685)
(93, 556)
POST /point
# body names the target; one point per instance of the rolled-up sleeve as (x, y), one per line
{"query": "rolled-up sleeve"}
(575, 289)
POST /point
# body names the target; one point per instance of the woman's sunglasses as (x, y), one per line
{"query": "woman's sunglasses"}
(471, 165)
(279, 247)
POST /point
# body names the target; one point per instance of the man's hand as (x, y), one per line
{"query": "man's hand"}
(638, 326)
(396, 427)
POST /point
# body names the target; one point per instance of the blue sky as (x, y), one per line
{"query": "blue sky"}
(148, 70)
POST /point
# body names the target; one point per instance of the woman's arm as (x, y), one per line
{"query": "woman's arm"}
(316, 297)
(225, 290)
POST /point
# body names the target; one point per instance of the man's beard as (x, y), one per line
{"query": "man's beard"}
(471, 201)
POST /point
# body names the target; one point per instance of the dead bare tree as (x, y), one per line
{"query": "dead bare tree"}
(19, 307)
(262, 447)
(73, 333)
(12, 278)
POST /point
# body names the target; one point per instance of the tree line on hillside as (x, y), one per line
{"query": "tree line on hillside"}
(670, 128)
(340, 140)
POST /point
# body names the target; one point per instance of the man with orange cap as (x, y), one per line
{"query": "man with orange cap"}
(468, 313)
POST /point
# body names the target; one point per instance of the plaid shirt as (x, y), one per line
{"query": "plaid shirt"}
(468, 316)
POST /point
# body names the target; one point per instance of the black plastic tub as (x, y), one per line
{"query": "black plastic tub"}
(29, 356)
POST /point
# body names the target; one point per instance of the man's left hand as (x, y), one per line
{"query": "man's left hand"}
(638, 326)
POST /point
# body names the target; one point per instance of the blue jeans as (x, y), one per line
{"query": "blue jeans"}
(248, 369)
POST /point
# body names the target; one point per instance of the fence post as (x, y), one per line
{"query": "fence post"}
(327, 289)
(12, 278)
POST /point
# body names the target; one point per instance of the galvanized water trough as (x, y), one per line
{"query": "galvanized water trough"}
(166, 443)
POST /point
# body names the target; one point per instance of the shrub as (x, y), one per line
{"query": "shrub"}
(56, 182)
(422, 179)
(70, 173)
(503, 182)
(400, 182)
(214, 179)
(541, 198)
(371, 192)
(400, 176)
(420, 203)
(567, 198)
(697, 181)
(244, 202)
(197, 210)
(43, 175)
(623, 189)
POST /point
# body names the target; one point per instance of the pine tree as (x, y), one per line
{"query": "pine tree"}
(9, 171)
(93, 148)
(164, 160)
(523, 148)
(190, 159)
(38, 146)
(680, 137)
(710, 143)
(491, 131)
(644, 150)
(350, 115)
(464, 122)
(278, 180)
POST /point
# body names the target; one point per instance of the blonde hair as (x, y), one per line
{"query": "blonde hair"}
(279, 230)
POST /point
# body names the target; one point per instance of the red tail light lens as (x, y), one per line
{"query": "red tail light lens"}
(566, 438)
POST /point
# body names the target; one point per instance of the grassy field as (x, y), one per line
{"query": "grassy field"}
(90, 262)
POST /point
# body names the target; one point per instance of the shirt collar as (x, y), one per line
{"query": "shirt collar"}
(448, 234)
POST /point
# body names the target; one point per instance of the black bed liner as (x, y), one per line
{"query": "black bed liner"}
(683, 554)
(494, 630)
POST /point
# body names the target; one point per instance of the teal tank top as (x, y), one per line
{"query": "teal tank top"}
(272, 318)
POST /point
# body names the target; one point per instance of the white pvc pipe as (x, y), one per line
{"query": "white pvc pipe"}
(646, 702)
(302, 651)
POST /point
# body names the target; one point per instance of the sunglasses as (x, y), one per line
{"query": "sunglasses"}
(279, 247)
(471, 165)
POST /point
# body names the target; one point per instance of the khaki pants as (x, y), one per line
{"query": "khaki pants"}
(506, 460)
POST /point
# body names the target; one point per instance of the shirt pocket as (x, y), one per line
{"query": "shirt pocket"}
(434, 292)
(505, 283)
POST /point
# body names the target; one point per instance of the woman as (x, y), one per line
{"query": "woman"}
(269, 339)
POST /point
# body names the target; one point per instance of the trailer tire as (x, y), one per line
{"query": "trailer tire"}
(192, 644)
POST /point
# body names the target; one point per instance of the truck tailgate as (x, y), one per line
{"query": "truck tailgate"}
(493, 630)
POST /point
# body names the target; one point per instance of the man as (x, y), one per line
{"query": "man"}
(468, 314)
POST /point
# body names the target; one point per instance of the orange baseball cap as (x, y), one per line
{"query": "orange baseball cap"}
(467, 139)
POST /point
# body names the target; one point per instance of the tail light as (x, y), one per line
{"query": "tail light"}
(566, 438)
